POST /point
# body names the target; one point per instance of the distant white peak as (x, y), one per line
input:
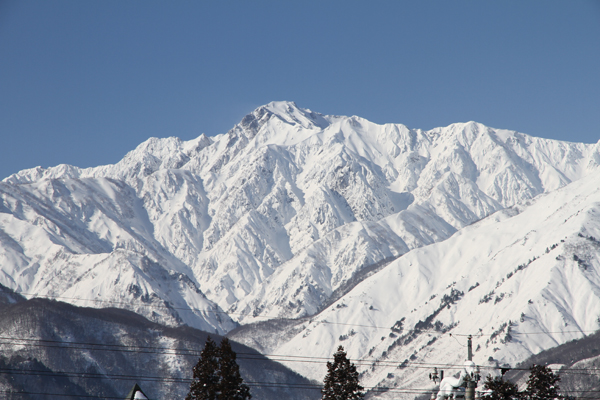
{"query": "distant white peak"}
(469, 131)
(470, 126)
(281, 107)
(290, 113)
(358, 122)
(38, 173)
(195, 145)
(156, 147)
(155, 150)
(25, 176)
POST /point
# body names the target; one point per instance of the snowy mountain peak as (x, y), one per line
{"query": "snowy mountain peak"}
(277, 217)
(286, 112)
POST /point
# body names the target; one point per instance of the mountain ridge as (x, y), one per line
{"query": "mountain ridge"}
(379, 237)
(268, 219)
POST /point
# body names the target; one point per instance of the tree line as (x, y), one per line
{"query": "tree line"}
(542, 384)
(216, 376)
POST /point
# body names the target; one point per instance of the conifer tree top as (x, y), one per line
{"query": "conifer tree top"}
(217, 374)
(542, 384)
(341, 381)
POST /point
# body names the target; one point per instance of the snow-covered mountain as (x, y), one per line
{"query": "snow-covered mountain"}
(522, 280)
(267, 220)
(379, 237)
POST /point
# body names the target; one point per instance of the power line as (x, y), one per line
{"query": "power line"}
(266, 385)
(175, 351)
(60, 395)
(251, 356)
(247, 356)
(108, 397)
(457, 341)
(88, 375)
(526, 333)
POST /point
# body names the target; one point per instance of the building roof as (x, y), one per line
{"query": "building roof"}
(136, 393)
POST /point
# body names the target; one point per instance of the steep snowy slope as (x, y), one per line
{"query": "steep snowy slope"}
(522, 280)
(89, 241)
(268, 219)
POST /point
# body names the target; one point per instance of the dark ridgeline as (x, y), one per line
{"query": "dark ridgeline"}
(110, 350)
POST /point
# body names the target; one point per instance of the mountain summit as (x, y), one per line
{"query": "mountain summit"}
(276, 218)
(383, 237)
(299, 230)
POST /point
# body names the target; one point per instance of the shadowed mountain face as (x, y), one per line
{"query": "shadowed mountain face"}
(8, 297)
(51, 348)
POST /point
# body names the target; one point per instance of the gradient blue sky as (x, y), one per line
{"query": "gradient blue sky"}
(83, 82)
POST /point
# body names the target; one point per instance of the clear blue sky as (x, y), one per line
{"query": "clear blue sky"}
(83, 82)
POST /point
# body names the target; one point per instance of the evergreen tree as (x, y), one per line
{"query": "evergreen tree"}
(500, 389)
(205, 385)
(341, 381)
(231, 383)
(542, 384)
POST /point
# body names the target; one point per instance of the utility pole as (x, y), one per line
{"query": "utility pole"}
(470, 389)
(470, 348)
(470, 379)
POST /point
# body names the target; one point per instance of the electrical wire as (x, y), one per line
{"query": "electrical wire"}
(88, 375)
(174, 351)
(457, 341)
(59, 394)
(241, 355)
(251, 356)
(282, 385)
(145, 378)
